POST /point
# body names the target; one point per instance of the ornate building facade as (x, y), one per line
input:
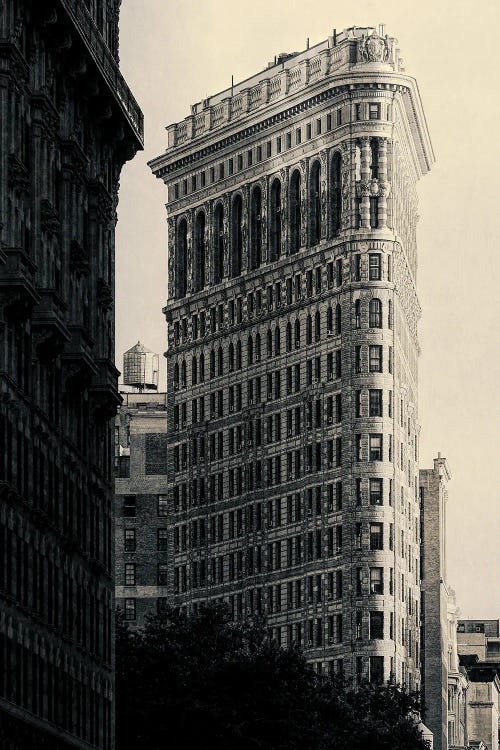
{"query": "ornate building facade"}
(68, 122)
(292, 353)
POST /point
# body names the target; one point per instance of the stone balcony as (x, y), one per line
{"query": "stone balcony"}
(17, 289)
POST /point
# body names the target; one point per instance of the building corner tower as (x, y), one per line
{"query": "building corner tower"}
(292, 353)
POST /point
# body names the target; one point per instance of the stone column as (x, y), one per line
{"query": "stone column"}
(348, 177)
(384, 186)
(365, 183)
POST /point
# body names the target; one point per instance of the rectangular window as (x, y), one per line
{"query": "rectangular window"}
(377, 670)
(376, 536)
(162, 505)
(308, 131)
(259, 153)
(329, 122)
(278, 145)
(339, 117)
(374, 267)
(358, 111)
(298, 137)
(221, 171)
(162, 574)
(375, 402)
(376, 580)
(288, 140)
(129, 540)
(375, 447)
(162, 540)
(249, 157)
(375, 358)
(230, 166)
(130, 609)
(318, 126)
(129, 574)
(129, 506)
(376, 497)
(374, 111)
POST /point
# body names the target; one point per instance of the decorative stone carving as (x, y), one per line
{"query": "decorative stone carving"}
(346, 183)
(324, 193)
(189, 247)
(104, 294)
(78, 259)
(209, 214)
(263, 219)
(171, 257)
(225, 238)
(284, 210)
(373, 48)
(244, 228)
(304, 200)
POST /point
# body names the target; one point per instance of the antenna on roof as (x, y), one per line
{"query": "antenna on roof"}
(381, 29)
(307, 43)
(232, 84)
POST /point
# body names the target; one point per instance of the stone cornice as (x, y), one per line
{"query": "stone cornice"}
(166, 164)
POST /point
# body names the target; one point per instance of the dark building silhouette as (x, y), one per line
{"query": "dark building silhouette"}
(68, 122)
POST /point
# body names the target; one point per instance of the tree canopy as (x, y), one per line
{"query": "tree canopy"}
(203, 681)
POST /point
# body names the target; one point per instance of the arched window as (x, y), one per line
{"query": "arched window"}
(257, 347)
(269, 338)
(236, 235)
(309, 330)
(255, 228)
(250, 350)
(375, 313)
(194, 371)
(289, 337)
(199, 252)
(176, 375)
(336, 188)
(295, 212)
(275, 221)
(181, 252)
(297, 333)
(315, 203)
(317, 326)
(329, 320)
(183, 374)
(202, 368)
(218, 258)
(231, 357)
(212, 364)
(220, 361)
(357, 313)
(277, 340)
(238, 355)
(338, 320)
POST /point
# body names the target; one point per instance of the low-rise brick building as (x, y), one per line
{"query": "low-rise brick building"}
(141, 492)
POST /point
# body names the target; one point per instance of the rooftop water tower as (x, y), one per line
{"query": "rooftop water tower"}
(140, 368)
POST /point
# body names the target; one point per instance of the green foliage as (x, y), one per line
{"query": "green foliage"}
(202, 681)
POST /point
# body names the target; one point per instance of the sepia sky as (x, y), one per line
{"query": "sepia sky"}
(175, 52)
